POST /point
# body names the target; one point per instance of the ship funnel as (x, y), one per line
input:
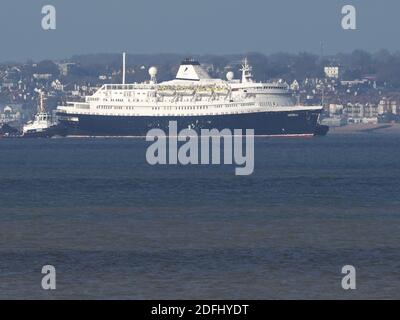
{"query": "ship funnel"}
(123, 67)
(191, 70)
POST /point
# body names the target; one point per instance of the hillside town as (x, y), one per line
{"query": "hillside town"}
(349, 93)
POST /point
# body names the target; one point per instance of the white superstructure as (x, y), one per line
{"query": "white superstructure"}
(192, 93)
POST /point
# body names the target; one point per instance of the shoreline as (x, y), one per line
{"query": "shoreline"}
(363, 128)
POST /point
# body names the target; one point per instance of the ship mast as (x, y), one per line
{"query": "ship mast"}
(246, 71)
(123, 67)
(41, 108)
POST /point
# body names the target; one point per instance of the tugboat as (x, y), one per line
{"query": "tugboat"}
(42, 126)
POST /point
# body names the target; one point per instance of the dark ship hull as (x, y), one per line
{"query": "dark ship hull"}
(7, 131)
(321, 130)
(284, 123)
(56, 130)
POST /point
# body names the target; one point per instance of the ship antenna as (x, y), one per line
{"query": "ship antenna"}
(123, 67)
(246, 71)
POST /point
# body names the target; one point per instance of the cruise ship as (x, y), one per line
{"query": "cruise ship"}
(195, 101)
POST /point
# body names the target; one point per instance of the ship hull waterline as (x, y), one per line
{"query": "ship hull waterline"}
(300, 123)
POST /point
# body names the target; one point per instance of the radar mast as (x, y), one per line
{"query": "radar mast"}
(246, 71)
(41, 108)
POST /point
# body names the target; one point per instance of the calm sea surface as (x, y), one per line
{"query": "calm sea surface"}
(116, 227)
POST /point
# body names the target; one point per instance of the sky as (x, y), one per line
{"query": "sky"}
(194, 27)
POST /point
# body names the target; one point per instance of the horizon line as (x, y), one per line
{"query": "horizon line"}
(327, 55)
